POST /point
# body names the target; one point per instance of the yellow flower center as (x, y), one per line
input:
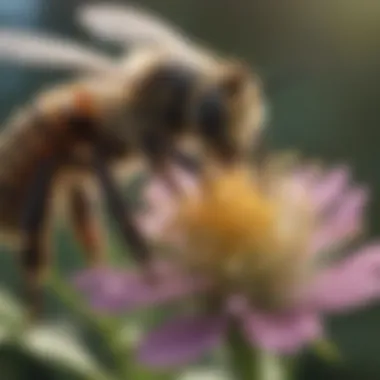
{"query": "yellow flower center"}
(231, 231)
(231, 214)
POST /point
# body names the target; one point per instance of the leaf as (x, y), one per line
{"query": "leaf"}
(12, 317)
(5, 334)
(59, 346)
(326, 350)
(10, 309)
(129, 335)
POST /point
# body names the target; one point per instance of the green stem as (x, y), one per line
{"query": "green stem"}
(108, 329)
(276, 368)
(243, 360)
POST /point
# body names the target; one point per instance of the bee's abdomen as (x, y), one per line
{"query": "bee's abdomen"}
(30, 137)
(56, 123)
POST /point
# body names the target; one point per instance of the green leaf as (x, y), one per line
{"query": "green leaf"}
(5, 335)
(129, 335)
(327, 351)
(59, 346)
(10, 308)
(12, 317)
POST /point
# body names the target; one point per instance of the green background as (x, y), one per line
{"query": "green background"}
(320, 60)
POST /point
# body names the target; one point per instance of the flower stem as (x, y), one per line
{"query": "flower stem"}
(243, 359)
(273, 367)
(106, 327)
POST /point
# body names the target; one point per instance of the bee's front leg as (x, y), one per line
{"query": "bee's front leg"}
(121, 210)
(33, 255)
(157, 149)
(186, 162)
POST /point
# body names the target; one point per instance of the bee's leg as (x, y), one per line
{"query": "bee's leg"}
(33, 255)
(86, 224)
(162, 168)
(157, 150)
(121, 211)
(188, 163)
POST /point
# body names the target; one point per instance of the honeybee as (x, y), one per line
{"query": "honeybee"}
(165, 92)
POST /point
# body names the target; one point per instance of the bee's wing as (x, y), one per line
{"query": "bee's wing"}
(42, 50)
(128, 25)
(134, 27)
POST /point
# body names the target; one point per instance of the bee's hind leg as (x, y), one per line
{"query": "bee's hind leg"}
(33, 255)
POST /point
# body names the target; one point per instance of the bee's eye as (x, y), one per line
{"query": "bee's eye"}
(215, 125)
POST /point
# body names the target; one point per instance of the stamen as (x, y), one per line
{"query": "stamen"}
(229, 217)
(231, 229)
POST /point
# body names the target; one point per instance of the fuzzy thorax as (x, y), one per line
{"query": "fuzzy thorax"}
(246, 236)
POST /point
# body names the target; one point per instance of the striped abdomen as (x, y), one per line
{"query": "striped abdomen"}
(37, 132)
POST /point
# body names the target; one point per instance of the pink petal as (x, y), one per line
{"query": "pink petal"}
(328, 190)
(103, 287)
(157, 191)
(283, 333)
(306, 176)
(181, 341)
(343, 223)
(351, 283)
(111, 290)
(188, 183)
(154, 223)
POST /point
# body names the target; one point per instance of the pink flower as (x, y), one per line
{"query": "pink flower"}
(318, 214)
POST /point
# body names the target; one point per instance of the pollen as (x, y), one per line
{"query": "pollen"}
(248, 233)
(229, 221)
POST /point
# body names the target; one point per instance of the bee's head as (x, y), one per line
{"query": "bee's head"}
(159, 97)
(229, 113)
(218, 106)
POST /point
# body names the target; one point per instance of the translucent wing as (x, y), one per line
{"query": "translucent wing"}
(47, 51)
(129, 25)
(133, 27)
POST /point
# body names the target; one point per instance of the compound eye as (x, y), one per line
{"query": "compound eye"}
(166, 93)
(213, 120)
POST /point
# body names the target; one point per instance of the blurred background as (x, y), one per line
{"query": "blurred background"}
(320, 61)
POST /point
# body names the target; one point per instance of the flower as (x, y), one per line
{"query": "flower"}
(265, 250)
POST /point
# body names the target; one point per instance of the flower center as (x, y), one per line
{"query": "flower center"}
(231, 215)
(232, 230)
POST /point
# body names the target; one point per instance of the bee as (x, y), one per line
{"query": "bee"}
(164, 95)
